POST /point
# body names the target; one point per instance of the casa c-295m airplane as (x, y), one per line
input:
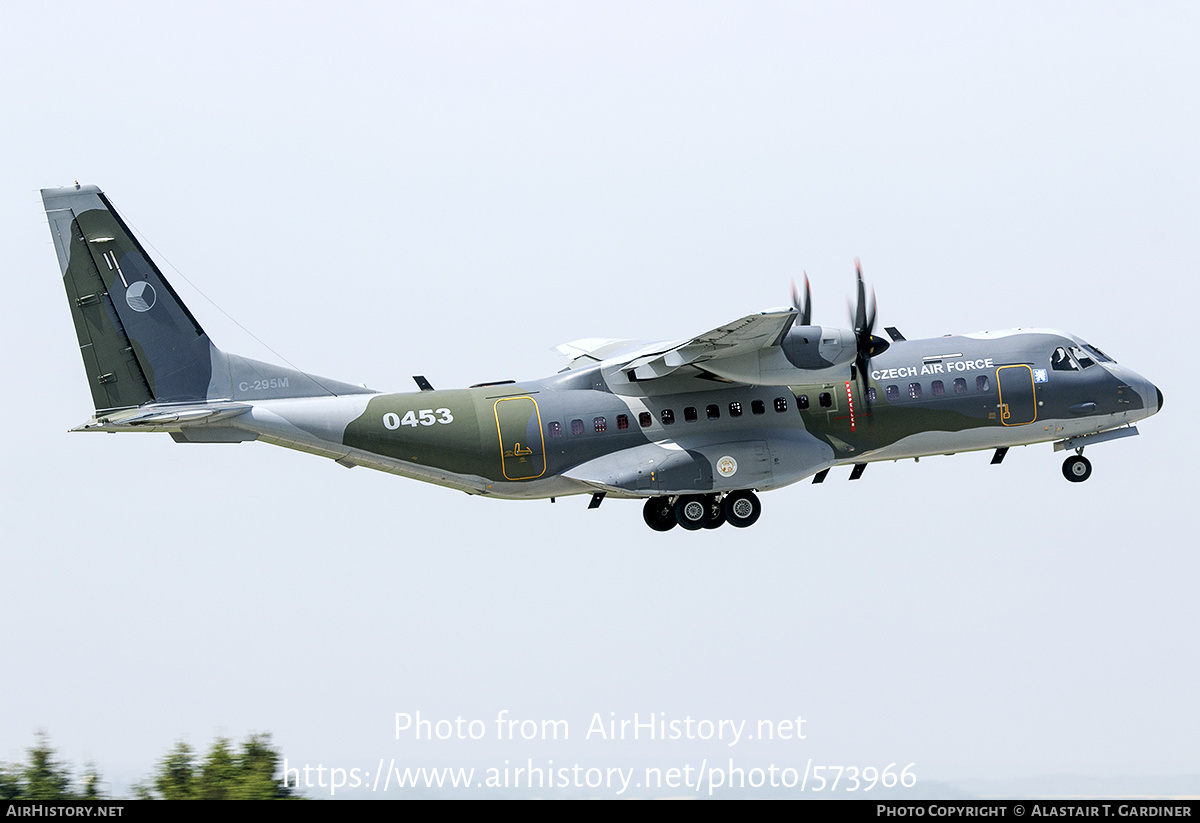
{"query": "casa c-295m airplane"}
(697, 428)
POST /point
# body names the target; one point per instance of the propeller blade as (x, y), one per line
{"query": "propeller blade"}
(860, 308)
(871, 314)
(803, 306)
(864, 324)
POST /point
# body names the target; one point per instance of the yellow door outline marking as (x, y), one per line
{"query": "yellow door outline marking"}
(1005, 413)
(518, 450)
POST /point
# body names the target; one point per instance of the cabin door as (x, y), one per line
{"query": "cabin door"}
(522, 451)
(1018, 395)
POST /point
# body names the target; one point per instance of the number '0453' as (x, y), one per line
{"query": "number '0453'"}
(424, 417)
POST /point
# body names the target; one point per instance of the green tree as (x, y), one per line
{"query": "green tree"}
(257, 765)
(176, 774)
(10, 782)
(45, 777)
(220, 774)
(91, 783)
(246, 773)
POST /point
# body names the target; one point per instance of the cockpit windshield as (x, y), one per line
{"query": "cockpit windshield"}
(1061, 360)
(1076, 358)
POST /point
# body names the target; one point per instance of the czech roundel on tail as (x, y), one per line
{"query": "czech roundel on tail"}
(696, 428)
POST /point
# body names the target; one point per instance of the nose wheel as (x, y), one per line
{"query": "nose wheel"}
(1077, 468)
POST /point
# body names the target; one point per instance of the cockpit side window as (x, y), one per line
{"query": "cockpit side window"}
(1061, 361)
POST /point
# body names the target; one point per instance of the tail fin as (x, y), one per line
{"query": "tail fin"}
(140, 344)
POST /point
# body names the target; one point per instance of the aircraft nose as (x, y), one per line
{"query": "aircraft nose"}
(1152, 397)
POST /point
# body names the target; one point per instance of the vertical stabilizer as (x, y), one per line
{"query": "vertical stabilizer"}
(139, 342)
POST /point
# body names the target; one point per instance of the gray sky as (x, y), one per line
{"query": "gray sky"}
(451, 189)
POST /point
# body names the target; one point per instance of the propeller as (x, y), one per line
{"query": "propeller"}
(863, 320)
(805, 306)
(868, 344)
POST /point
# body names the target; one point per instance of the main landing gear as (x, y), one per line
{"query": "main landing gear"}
(702, 511)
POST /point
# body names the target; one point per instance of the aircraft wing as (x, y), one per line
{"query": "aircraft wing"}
(746, 336)
(593, 350)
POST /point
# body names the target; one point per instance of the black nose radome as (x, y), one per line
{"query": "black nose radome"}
(1157, 389)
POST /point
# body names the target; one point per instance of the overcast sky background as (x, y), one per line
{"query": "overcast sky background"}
(451, 189)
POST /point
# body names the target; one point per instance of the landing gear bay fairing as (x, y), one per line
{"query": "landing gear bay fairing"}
(695, 428)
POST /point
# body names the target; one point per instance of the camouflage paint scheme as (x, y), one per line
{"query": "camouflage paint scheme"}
(755, 405)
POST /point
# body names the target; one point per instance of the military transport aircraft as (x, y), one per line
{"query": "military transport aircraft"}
(694, 427)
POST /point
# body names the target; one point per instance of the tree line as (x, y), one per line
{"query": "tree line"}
(227, 772)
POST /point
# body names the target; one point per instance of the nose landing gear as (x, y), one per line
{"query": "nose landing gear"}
(1077, 468)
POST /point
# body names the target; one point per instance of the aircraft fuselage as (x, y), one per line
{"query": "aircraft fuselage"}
(571, 433)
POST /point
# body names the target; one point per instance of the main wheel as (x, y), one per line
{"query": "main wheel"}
(716, 508)
(1077, 468)
(692, 512)
(659, 514)
(742, 509)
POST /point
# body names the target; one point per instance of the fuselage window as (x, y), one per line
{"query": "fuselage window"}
(689, 414)
(713, 411)
(576, 427)
(554, 428)
(870, 394)
(780, 404)
(645, 419)
(891, 392)
(938, 388)
(758, 407)
(982, 383)
(825, 399)
(622, 422)
(960, 385)
(802, 401)
(914, 390)
(668, 417)
(600, 424)
(735, 409)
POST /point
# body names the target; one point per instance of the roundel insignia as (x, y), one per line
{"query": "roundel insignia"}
(726, 466)
(140, 296)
